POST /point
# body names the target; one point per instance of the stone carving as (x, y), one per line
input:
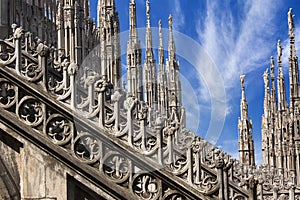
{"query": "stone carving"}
(32, 71)
(87, 148)
(146, 186)
(59, 129)
(291, 22)
(30, 111)
(18, 33)
(208, 184)
(170, 195)
(116, 167)
(7, 93)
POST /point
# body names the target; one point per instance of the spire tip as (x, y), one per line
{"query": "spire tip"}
(242, 80)
(291, 22)
(279, 49)
(170, 20)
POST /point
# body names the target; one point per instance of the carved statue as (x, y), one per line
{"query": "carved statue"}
(279, 49)
(170, 20)
(291, 22)
(148, 7)
(160, 27)
(266, 78)
(242, 79)
(272, 64)
(18, 33)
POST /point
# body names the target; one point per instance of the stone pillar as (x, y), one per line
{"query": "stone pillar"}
(297, 146)
(18, 48)
(43, 53)
(219, 164)
(72, 70)
(169, 132)
(189, 155)
(226, 168)
(292, 192)
(101, 87)
(159, 122)
(252, 183)
(142, 117)
(275, 192)
(260, 187)
(130, 104)
(91, 93)
(196, 147)
(116, 98)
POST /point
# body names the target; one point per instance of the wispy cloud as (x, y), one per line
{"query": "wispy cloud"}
(238, 38)
(238, 41)
(178, 15)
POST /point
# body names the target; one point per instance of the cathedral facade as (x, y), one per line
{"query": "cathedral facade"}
(70, 129)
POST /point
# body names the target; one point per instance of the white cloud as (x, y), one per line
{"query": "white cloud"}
(238, 42)
(178, 15)
(238, 39)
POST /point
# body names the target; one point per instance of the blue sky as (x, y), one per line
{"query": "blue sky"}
(233, 37)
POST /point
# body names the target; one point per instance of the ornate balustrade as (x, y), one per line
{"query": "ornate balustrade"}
(112, 134)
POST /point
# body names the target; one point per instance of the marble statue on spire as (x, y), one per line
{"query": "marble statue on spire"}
(291, 22)
(148, 7)
(266, 78)
(279, 49)
(170, 21)
(242, 79)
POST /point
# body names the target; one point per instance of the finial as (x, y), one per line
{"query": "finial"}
(170, 21)
(272, 64)
(160, 30)
(279, 49)
(148, 13)
(148, 7)
(242, 79)
(266, 78)
(291, 22)
(159, 26)
(132, 2)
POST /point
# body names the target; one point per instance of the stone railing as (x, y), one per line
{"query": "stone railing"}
(116, 135)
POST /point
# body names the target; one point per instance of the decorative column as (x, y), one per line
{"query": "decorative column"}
(18, 48)
(169, 132)
(252, 184)
(116, 97)
(159, 123)
(227, 167)
(101, 87)
(219, 164)
(275, 192)
(195, 149)
(72, 70)
(142, 117)
(89, 81)
(130, 104)
(297, 147)
(43, 53)
(292, 191)
(260, 186)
